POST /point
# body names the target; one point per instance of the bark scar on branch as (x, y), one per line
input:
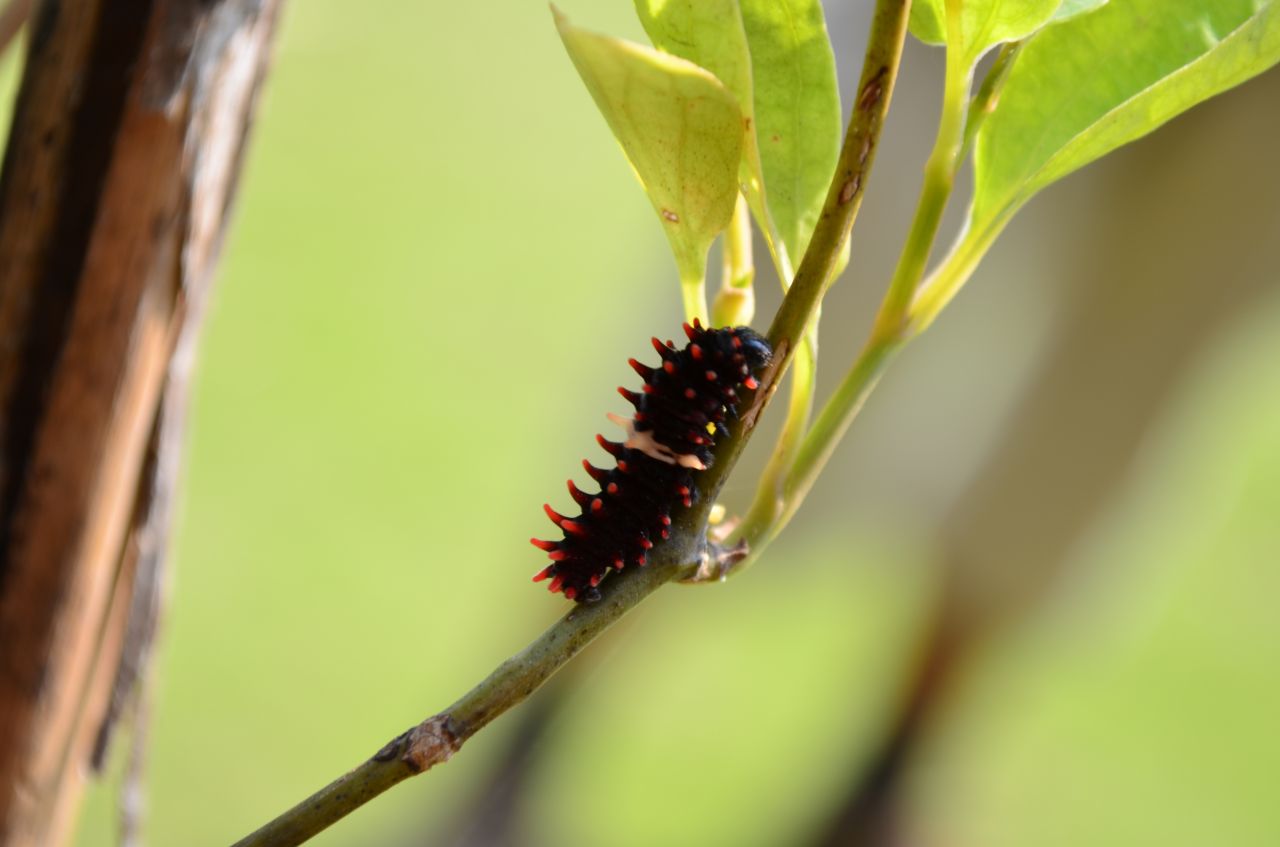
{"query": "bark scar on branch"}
(430, 743)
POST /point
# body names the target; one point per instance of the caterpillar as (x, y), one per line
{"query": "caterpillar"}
(679, 415)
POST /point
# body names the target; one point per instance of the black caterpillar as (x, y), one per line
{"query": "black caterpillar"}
(679, 415)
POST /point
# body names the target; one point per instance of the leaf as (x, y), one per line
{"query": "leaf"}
(709, 33)
(776, 59)
(1071, 8)
(1085, 87)
(680, 128)
(928, 21)
(797, 111)
(987, 23)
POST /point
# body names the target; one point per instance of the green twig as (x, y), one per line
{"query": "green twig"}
(767, 503)
(954, 270)
(735, 302)
(896, 322)
(770, 498)
(844, 198)
(772, 505)
(799, 404)
(826, 255)
(437, 738)
(738, 262)
(693, 293)
(831, 425)
(988, 96)
(939, 178)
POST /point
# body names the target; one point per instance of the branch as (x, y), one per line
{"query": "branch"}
(844, 198)
(988, 96)
(437, 738)
(939, 178)
(893, 325)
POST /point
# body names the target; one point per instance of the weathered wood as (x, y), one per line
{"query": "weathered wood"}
(123, 157)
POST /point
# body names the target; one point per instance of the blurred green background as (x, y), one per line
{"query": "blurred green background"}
(439, 266)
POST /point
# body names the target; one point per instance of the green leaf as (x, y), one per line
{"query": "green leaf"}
(680, 128)
(987, 23)
(1071, 8)
(928, 21)
(797, 111)
(709, 33)
(774, 55)
(1085, 87)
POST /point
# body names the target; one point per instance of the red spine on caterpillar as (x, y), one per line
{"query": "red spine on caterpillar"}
(679, 417)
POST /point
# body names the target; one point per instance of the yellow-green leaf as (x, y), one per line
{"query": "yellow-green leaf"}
(709, 33)
(1085, 87)
(680, 128)
(1071, 8)
(928, 21)
(987, 23)
(797, 111)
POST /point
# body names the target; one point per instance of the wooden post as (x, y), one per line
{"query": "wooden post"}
(125, 148)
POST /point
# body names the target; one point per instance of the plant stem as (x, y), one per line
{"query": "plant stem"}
(935, 292)
(844, 198)
(823, 257)
(774, 503)
(832, 423)
(988, 96)
(767, 503)
(735, 302)
(946, 280)
(739, 264)
(693, 292)
(939, 178)
(437, 738)
(770, 498)
(901, 315)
